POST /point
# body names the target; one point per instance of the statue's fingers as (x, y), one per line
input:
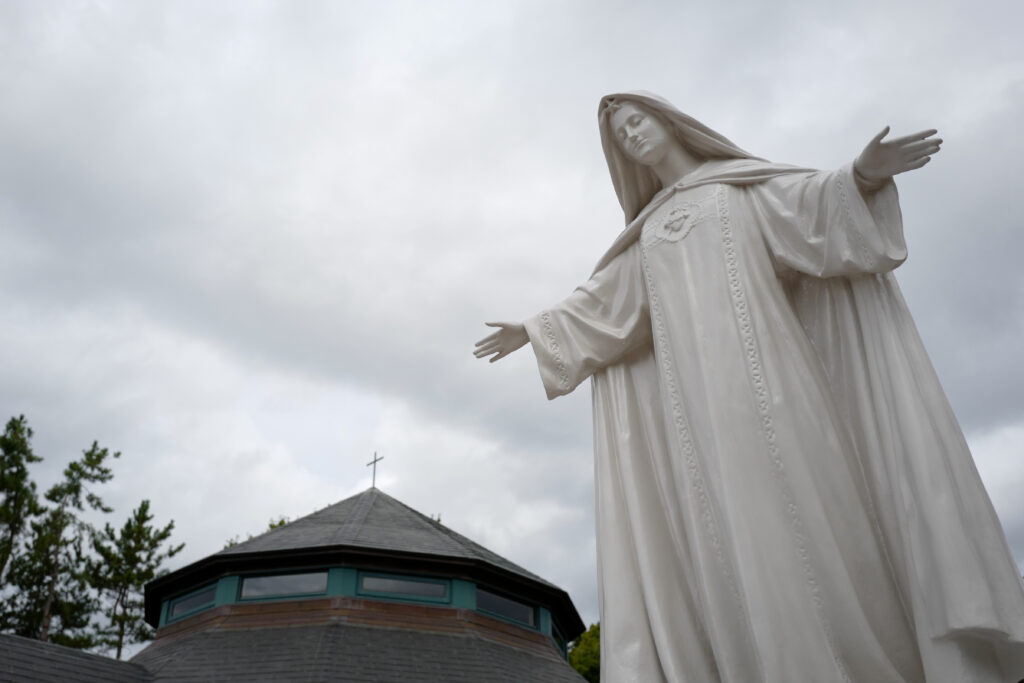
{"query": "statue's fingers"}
(489, 343)
(491, 337)
(917, 164)
(915, 153)
(878, 138)
(922, 145)
(920, 135)
(488, 348)
(914, 158)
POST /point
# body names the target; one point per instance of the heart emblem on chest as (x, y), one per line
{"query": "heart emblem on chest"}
(679, 222)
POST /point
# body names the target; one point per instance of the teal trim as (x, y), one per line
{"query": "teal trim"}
(405, 597)
(463, 594)
(227, 590)
(508, 620)
(546, 625)
(280, 596)
(563, 647)
(533, 610)
(346, 581)
(195, 610)
(544, 620)
(165, 608)
(342, 581)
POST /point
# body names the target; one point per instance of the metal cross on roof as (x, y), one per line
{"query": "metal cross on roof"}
(374, 463)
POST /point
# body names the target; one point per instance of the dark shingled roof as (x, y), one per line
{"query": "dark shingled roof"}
(347, 652)
(374, 520)
(23, 660)
(372, 531)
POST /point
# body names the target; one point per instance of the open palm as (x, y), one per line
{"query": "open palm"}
(882, 160)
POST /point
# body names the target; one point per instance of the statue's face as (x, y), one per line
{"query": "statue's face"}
(642, 137)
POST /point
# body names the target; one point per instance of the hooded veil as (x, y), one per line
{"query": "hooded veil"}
(636, 185)
(638, 188)
(960, 586)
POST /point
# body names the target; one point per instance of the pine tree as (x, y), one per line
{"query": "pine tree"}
(54, 600)
(126, 561)
(18, 499)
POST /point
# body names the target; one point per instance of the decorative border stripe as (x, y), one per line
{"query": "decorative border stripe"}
(763, 401)
(685, 440)
(556, 352)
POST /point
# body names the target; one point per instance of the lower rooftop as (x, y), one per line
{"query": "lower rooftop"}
(351, 639)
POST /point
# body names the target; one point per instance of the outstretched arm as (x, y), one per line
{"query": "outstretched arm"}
(881, 160)
(602, 320)
(508, 338)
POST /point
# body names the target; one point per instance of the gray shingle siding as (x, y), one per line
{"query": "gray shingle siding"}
(347, 652)
(23, 660)
(375, 520)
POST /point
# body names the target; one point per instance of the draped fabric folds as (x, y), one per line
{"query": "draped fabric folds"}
(783, 492)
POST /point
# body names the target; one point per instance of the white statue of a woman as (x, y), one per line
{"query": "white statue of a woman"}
(783, 493)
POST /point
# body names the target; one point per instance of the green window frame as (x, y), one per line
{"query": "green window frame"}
(556, 635)
(283, 592)
(389, 586)
(191, 603)
(505, 607)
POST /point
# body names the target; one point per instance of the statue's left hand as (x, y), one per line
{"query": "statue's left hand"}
(881, 160)
(509, 337)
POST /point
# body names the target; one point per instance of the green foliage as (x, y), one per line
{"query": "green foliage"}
(585, 653)
(274, 523)
(53, 601)
(59, 577)
(18, 499)
(126, 561)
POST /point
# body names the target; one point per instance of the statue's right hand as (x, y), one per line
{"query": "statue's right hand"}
(507, 338)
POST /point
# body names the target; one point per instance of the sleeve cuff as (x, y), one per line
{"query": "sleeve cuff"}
(550, 361)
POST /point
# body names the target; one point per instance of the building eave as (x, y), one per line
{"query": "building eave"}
(215, 566)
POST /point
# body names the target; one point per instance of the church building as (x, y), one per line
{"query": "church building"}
(367, 589)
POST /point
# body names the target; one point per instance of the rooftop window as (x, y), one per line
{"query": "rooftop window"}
(193, 602)
(507, 608)
(415, 588)
(281, 585)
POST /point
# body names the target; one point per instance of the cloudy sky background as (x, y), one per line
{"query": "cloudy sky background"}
(249, 244)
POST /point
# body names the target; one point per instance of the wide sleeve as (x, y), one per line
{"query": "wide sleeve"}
(822, 224)
(596, 325)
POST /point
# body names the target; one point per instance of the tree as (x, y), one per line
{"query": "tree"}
(54, 599)
(274, 523)
(585, 653)
(125, 562)
(18, 499)
(59, 570)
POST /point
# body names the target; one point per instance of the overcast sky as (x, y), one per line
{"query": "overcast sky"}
(248, 244)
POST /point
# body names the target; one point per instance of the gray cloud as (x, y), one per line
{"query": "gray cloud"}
(254, 240)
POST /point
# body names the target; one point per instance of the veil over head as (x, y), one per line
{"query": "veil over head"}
(636, 184)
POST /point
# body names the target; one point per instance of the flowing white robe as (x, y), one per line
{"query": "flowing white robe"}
(783, 493)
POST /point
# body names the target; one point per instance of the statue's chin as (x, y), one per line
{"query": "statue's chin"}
(649, 153)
